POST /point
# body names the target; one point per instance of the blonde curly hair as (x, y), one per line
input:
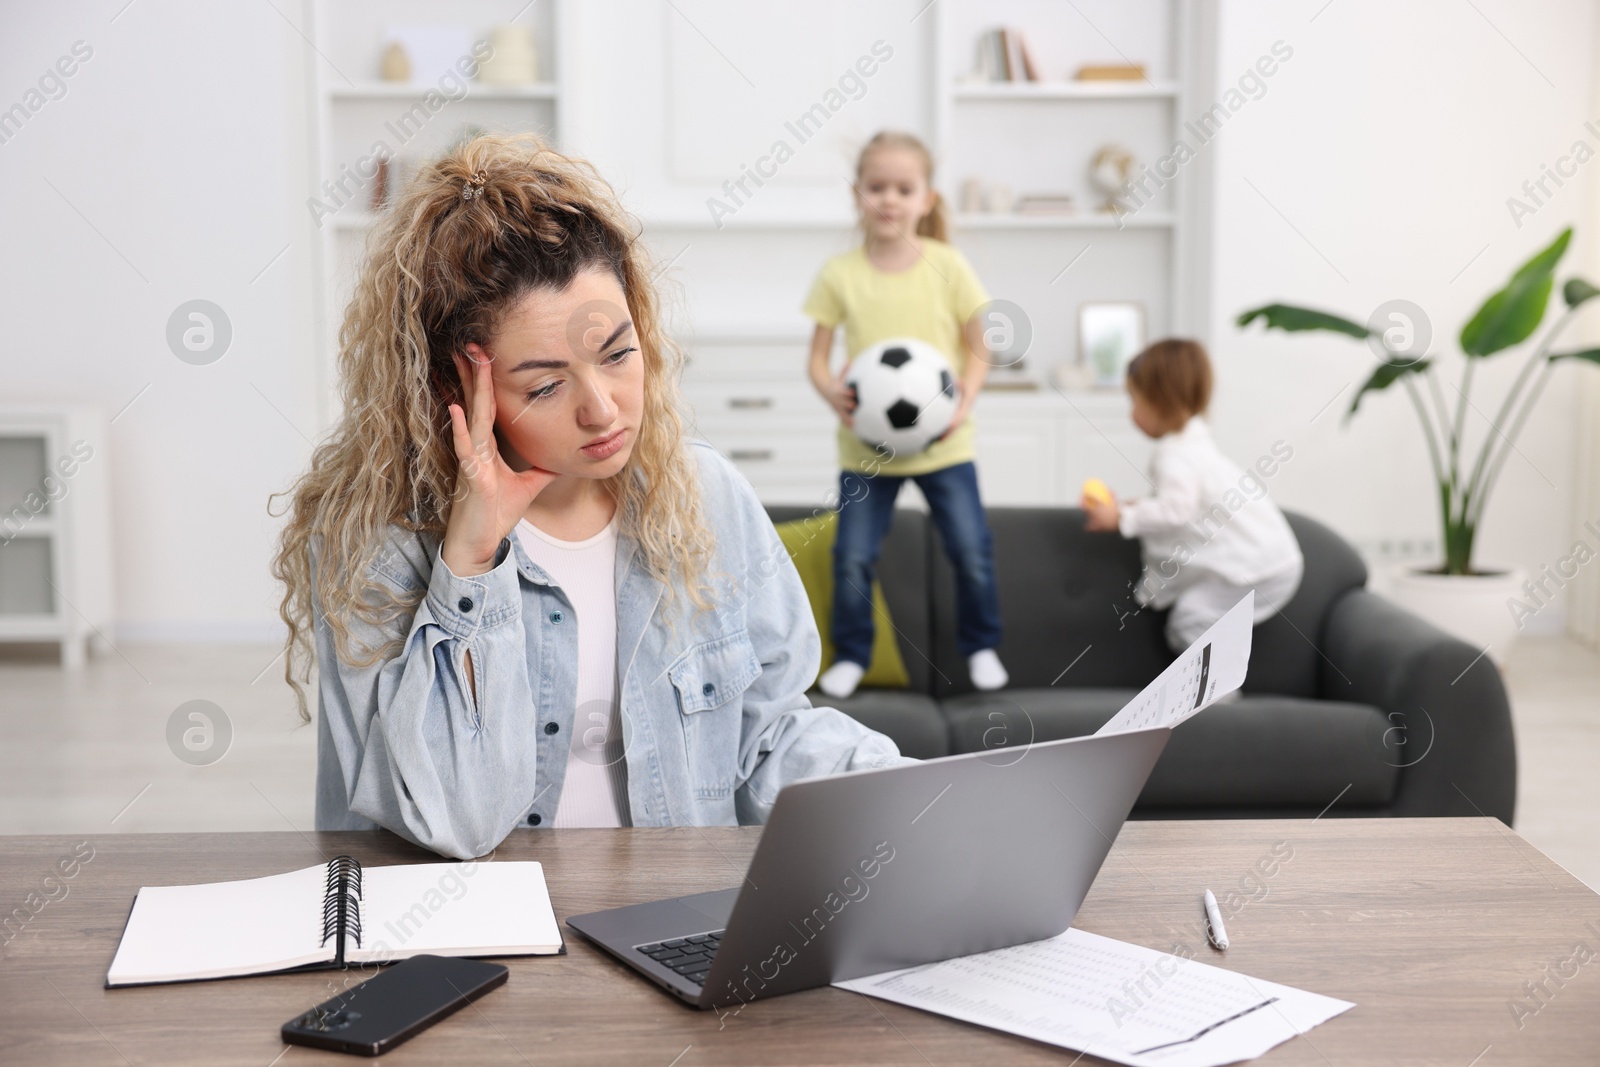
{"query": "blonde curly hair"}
(469, 236)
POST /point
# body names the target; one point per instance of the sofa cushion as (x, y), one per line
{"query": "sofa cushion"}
(911, 720)
(903, 574)
(809, 542)
(1253, 752)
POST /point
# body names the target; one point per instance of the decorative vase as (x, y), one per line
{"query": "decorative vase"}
(1473, 607)
(513, 58)
(396, 63)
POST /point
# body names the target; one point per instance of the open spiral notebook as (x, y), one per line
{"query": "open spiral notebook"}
(333, 915)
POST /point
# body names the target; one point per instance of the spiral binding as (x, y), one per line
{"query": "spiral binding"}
(341, 902)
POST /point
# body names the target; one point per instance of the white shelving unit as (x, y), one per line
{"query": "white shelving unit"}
(393, 91)
(354, 110)
(1039, 137)
(1035, 445)
(55, 541)
(1144, 220)
(1065, 90)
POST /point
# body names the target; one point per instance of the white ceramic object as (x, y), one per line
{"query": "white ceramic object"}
(1473, 608)
(514, 57)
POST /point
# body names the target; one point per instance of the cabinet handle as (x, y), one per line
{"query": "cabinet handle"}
(749, 454)
(749, 402)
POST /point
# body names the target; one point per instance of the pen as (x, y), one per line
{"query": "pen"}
(1214, 928)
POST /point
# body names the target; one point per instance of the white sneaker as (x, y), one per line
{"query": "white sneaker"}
(986, 670)
(841, 679)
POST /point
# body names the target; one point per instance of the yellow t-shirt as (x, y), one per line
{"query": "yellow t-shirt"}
(932, 301)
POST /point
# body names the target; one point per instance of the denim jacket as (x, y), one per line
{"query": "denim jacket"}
(714, 715)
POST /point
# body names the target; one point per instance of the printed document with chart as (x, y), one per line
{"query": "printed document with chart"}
(1208, 670)
(1108, 998)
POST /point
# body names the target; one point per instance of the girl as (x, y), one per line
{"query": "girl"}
(532, 601)
(1209, 534)
(904, 281)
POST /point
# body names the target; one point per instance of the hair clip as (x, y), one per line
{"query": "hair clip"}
(474, 186)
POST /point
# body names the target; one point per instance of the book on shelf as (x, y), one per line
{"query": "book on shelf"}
(1110, 72)
(1003, 55)
(1046, 204)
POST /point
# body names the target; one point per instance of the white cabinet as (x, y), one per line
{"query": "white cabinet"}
(750, 398)
(55, 545)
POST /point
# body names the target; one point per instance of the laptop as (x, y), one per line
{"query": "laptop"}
(872, 871)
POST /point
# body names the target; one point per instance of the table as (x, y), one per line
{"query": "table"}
(1431, 926)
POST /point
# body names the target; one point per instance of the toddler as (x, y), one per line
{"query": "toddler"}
(1208, 532)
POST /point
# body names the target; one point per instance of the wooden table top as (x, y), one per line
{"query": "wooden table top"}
(1437, 929)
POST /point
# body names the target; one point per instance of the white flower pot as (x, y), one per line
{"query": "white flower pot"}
(1471, 607)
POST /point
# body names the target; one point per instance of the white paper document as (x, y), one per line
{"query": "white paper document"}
(1110, 999)
(1208, 670)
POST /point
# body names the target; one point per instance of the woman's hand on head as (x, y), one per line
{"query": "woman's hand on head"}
(490, 497)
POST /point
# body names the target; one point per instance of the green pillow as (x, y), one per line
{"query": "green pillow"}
(810, 544)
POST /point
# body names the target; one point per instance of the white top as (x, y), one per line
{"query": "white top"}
(1208, 517)
(595, 792)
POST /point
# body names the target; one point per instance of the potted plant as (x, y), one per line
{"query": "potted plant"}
(1478, 605)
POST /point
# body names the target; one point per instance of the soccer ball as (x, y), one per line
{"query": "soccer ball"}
(905, 394)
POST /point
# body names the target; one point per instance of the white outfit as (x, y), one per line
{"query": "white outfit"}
(595, 792)
(1209, 535)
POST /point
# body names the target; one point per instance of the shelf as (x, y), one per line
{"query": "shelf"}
(1142, 220)
(1065, 90)
(737, 335)
(476, 91)
(704, 222)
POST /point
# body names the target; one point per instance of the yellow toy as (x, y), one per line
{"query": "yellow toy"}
(1096, 492)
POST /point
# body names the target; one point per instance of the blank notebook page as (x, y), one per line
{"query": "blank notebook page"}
(211, 931)
(453, 909)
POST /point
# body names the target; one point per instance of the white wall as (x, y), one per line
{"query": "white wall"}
(1390, 142)
(171, 169)
(1378, 166)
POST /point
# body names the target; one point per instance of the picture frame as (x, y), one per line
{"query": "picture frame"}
(1110, 334)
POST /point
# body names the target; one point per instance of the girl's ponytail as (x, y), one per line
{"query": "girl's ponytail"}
(936, 223)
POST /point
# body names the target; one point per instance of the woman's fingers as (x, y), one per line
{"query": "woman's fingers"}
(477, 397)
(464, 376)
(482, 404)
(458, 434)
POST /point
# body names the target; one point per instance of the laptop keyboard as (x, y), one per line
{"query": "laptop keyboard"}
(689, 956)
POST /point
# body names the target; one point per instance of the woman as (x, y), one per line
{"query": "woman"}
(532, 601)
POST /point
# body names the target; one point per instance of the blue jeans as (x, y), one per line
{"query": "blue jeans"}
(866, 511)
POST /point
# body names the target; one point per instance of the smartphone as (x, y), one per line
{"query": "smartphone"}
(395, 1005)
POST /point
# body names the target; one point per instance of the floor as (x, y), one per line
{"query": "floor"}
(106, 750)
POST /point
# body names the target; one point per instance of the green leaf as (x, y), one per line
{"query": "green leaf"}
(1293, 319)
(1510, 316)
(1577, 291)
(1590, 354)
(1383, 376)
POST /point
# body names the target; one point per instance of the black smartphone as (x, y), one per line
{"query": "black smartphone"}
(394, 1005)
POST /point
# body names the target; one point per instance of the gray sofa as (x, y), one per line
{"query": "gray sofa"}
(1351, 704)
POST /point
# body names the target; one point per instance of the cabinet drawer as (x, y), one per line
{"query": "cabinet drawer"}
(804, 452)
(755, 400)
